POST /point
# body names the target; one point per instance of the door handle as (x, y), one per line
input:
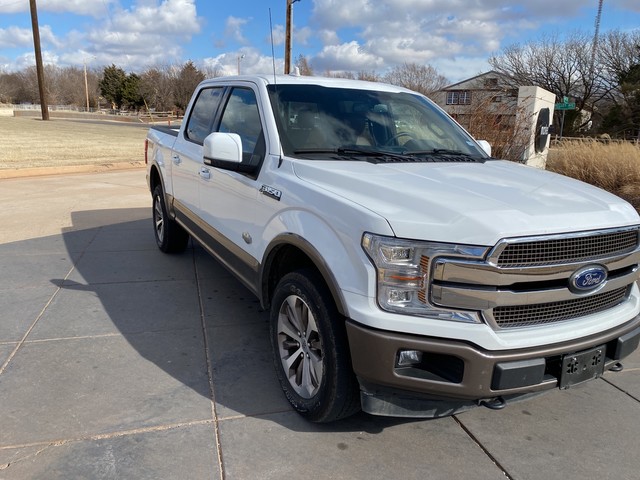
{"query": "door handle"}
(205, 173)
(176, 159)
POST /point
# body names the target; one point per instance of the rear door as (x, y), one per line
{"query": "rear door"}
(186, 158)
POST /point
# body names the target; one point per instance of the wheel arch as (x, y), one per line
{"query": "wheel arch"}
(155, 178)
(291, 252)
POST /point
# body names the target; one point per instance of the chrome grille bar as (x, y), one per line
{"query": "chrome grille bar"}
(544, 313)
(587, 247)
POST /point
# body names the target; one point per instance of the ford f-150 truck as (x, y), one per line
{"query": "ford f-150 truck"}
(406, 271)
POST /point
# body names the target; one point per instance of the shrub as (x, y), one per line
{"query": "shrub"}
(615, 167)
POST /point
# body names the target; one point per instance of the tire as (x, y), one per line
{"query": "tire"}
(310, 349)
(170, 237)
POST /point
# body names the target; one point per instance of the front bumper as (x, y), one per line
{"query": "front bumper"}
(461, 373)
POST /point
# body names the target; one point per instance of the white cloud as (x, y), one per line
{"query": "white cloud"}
(80, 7)
(149, 32)
(460, 68)
(13, 37)
(251, 62)
(302, 35)
(632, 5)
(393, 32)
(170, 18)
(328, 37)
(233, 29)
(346, 57)
(146, 34)
(278, 34)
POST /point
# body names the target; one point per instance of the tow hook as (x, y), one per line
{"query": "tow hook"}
(617, 367)
(497, 403)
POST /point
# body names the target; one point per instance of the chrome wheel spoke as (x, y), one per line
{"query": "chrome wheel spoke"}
(159, 219)
(300, 346)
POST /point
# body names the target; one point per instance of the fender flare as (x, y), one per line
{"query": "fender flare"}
(312, 253)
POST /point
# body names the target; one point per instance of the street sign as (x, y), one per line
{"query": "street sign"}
(566, 106)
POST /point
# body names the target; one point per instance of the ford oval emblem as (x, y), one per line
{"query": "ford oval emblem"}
(588, 279)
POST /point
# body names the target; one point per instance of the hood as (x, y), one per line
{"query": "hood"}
(471, 203)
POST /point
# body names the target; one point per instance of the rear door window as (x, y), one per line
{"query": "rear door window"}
(200, 123)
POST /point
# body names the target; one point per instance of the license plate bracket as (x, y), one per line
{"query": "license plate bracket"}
(582, 366)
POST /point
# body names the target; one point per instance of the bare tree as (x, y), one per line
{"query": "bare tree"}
(9, 88)
(618, 52)
(156, 87)
(340, 74)
(420, 78)
(212, 71)
(303, 65)
(28, 89)
(369, 76)
(568, 68)
(563, 67)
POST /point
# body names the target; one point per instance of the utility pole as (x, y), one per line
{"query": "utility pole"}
(287, 37)
(86, 85)
(38, 52)
(240, 57)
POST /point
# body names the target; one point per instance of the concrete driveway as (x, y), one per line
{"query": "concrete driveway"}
(120, 362)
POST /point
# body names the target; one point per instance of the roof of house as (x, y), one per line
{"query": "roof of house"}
(481, 75)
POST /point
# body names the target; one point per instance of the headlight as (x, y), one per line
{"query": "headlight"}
(403, 271)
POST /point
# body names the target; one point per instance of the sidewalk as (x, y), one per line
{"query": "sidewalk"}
(120, 362)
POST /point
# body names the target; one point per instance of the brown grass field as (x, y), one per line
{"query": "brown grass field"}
(614, 167)
(28, 142)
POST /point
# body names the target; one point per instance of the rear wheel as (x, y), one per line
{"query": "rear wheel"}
(310, 348)
(170, 237)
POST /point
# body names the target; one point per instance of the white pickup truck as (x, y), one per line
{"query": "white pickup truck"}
(406, 271)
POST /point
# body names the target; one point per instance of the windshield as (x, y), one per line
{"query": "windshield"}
(313, 119)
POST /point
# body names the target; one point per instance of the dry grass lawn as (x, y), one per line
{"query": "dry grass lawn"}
(614, 167)
(30, 142)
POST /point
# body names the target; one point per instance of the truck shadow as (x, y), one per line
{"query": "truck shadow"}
(183, 313)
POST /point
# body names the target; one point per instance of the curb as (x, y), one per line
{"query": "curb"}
(66, 169)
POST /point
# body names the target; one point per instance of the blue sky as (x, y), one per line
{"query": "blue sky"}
(455, 36)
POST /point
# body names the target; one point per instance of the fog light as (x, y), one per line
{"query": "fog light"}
(409, 357)
(399, 296)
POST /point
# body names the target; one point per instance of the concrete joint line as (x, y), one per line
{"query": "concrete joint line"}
(620, 389)
(214, 413)
(32, 326)
(108, 436)
(486, 452)
(13, 353)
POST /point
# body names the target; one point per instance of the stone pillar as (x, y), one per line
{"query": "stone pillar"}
(533, 117)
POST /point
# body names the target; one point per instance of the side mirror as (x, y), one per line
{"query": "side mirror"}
(486, 146)
(220, 148)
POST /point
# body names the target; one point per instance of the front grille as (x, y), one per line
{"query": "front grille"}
(568, 250)
(544, 313)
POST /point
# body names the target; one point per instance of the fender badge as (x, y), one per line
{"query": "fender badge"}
(271, 192)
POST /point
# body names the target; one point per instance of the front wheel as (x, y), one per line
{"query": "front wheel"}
(170, 237)
(310, 348)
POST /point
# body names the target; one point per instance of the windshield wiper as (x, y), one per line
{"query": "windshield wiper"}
(350, 151)
(382, 156)
(438, 151)
(446, 155)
